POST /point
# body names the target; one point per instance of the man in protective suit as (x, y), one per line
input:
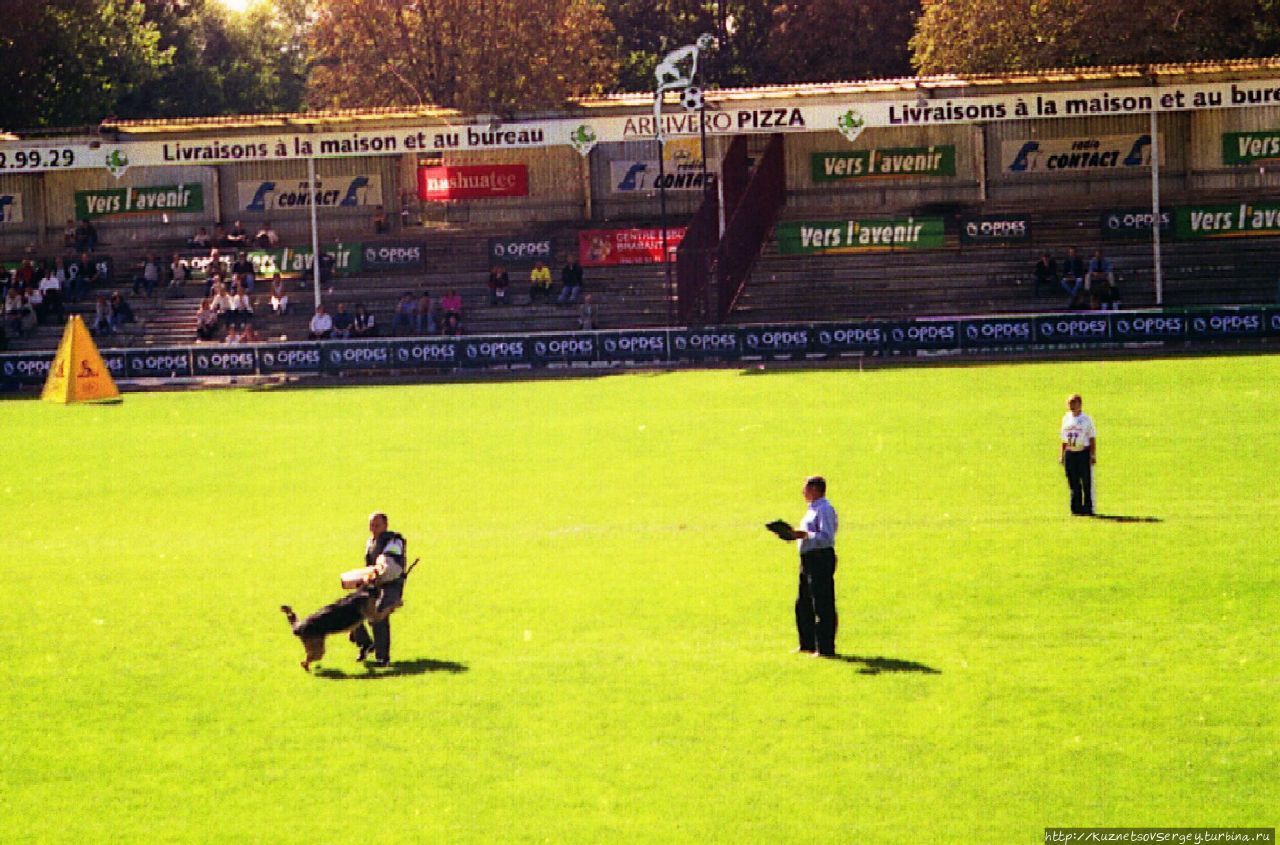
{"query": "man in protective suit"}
(384, 554)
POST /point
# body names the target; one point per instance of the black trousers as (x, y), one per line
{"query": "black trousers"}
(1080, 480)
(389, 598)
(816, 602)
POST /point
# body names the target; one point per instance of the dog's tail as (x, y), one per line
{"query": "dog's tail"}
(290, 615)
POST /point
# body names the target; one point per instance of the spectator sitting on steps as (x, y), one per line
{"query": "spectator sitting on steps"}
(1073, 271)
(266, 237)
(362, 324)
(498, 282)
(1045, 274)
(342, 322)
(321, 325)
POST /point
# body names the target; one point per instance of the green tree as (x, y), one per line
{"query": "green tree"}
(68, 62)
(989, 36)
(829, 40)
(223, 62)
(475, 55)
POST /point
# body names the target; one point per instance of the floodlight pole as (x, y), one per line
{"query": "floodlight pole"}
(315, 228)
(1155, 207)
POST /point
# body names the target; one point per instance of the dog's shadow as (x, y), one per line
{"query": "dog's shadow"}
(421, 666)
(877, 665)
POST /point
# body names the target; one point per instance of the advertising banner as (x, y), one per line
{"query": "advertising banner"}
(521, 250)
(10, 208)
(629, 176)
(608, 247)
(994, 228)
(290, 358)
(280, 195)
(358, 355)
(292, 262)
(158, 199)
(997, 331)
(158, 363)
(1251, 147)
(633, 346)
(1133, 223)
(925, 334)
(433, 353)
(1223, 323)
(27, 367)
(1073, 328)
(1075, 155)
(491, 351)
(397, 255)
(835, 236)
(562, 348)
(706, 344)
(437, 183)
(1148, 327)
(837, 339)
(890, 163)
(776, 342)
(1273, 320)
(223, 361)
(1246, 220)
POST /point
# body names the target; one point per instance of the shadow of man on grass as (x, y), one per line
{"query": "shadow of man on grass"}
(1115, 517)
(420, 666)
(877, 665)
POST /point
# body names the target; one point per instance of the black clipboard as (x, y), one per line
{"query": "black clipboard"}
(782, 529)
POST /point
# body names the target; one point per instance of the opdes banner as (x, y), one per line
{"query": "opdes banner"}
(837, 339)
(491, 351)
(425, 352)
(704, 344)
(280, 195)
(563, 348)
(1221, 323)
(776, 342)
(607, 247)
(438, 183)
(1245, 220)
(1073, 328)
(10, 208)
(638, 345)
(398, 255)
(158, 363)
(997, 331)
(521, 250)
(890, 163)
(224, 361)
(359, 355)
(994, 228)
(1250, 147)
(159, 199)
(290, 358)
(1132, 223)
(831, 236)
(1073, 155)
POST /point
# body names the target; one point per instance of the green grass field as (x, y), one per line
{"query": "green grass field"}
(596, 646)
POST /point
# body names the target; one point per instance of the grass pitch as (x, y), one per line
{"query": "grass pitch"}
(595, 647)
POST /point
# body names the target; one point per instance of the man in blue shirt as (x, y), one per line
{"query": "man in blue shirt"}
(816, 597)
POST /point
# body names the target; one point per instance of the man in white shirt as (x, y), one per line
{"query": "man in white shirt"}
(1078, 452)
(816, 597)
(321, 325)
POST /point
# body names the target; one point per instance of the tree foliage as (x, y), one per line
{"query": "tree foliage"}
(989, 36)
(223, 62)
(830, 40)
(68, 62)
(476, 55)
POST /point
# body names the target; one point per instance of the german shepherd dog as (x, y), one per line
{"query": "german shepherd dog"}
(344, 614)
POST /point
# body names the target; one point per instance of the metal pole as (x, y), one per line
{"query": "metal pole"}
(315, 228)
(662, 216)
(1155, 208)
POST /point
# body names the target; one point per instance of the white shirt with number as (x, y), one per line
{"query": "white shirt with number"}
(1077, 432)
